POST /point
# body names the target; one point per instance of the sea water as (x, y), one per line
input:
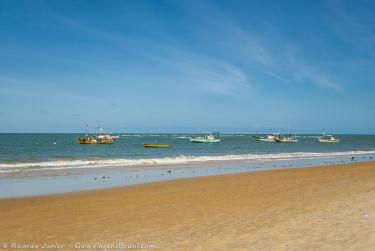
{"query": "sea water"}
(46, 163)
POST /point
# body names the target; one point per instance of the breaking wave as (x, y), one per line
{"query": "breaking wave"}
(70, 164)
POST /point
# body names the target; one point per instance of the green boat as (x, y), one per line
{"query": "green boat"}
(157, 145)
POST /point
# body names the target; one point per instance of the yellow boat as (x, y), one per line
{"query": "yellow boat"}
(101, 139)
(105, 142)
(94, 140)
(87, 141)
(157, 145)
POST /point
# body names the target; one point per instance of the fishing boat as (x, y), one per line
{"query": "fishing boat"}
(291, 138)
(101, 139)
(157, 145)
(106, 136)
(92, 140)
(327, 138)
(268, 138)
(104, 141)
(209, 138)
(88, 140)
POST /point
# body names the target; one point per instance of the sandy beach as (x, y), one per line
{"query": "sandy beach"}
(324, 208)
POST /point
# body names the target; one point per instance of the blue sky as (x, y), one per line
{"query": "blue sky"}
(187, 66)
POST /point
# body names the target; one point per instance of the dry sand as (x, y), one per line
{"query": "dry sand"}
(326, 208)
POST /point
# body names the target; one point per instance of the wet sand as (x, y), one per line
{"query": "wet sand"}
(325, 208)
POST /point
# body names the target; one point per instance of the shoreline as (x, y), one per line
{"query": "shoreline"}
(47, 182)
(331, 207)
(166, 181)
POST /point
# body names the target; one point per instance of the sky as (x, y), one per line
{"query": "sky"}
(187, 66)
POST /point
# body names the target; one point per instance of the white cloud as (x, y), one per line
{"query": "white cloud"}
(273, 56)
(282, 62)
(206, 73)
(269, 51)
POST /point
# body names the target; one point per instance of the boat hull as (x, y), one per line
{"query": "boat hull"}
(205, 140)
(84, 141)
(157, 145)
(268, 138)
(91, 141)
(265, 140)
(286, 141)
(106, 142)
(329, 141)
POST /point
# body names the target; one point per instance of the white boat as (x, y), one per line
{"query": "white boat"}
(268, 138)
(209, 138)
(327, 138)
(291, 138)
(106, 137)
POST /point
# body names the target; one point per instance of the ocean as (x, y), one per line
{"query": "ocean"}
(30, 158)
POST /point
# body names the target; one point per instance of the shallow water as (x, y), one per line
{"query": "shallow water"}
(34, 165)
(35, 152)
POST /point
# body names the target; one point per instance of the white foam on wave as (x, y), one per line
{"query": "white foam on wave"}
(9, 171)
(63, 164)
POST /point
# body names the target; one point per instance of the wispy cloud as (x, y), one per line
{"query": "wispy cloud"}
(210, 74)
(281, 62)
(351, 28)
(278, 57)
(253, 48)
(268, 51)
(302, 71)
(87, 29)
